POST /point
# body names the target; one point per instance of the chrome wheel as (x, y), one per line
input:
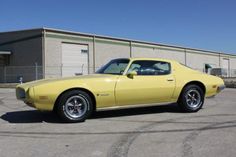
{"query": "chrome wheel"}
(76, 106)
(193, 98)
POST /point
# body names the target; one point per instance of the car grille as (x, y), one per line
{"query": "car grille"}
(20, 93)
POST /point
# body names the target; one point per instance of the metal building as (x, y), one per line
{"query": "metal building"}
(48, 53)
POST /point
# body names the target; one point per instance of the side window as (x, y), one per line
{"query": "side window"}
(162, 68)
(150, 67)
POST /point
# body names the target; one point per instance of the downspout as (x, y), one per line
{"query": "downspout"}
(43, 52)
(94, 59)
(130, 44)
(219, 61)
(185, 57)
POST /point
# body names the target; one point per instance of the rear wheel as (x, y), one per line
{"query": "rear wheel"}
(191, 98)
(74, 106)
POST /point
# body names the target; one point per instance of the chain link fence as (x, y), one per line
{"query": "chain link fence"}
(221, 72)
(16, 74)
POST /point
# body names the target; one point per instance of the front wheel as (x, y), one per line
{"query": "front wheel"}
(191, 98)
(74, 106)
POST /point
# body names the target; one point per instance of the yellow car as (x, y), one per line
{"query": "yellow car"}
(122, 83)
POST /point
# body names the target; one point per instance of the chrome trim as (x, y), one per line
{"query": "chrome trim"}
(132, 106)
(76, 106)
(193, 98)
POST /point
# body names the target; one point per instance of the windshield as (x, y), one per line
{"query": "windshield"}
(116, 67)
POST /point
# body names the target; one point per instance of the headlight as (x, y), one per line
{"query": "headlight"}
(20, 93)
(220, 88)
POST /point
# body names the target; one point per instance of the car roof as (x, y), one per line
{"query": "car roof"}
(151, 59)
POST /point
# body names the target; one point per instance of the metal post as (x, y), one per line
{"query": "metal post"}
(82, 69)
(94, 55)
(5, 74)
(185, 57)
(130, 44)
(61, 68)
(219, 61)
(43, 52)
(229, 71)
(36, 71)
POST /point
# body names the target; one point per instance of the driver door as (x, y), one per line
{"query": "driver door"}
(154, 83)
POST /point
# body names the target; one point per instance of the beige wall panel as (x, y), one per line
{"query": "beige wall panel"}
(138, 52)
(198, 61)
(107, 51)
(172, 54)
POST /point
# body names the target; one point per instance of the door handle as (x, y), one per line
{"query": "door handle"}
(170, 79)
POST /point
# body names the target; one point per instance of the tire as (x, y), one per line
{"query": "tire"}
(191, 98)
(74, 106)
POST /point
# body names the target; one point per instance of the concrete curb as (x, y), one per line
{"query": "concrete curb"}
(8, 85)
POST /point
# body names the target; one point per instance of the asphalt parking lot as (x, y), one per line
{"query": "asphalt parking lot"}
(145, 132)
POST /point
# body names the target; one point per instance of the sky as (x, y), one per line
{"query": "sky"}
(202, 24)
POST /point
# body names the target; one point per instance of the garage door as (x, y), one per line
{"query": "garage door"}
(74, 59)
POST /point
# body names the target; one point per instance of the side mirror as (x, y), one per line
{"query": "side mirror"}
(132, 74)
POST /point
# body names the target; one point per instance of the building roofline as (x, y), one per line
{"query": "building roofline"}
(23, 30)
(117, 38)
(132, 40)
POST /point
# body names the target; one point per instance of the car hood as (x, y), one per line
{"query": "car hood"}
(81, 77)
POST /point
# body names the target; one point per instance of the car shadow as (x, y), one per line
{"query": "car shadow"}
(30, 116)
(35, 116)
(137, 111)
